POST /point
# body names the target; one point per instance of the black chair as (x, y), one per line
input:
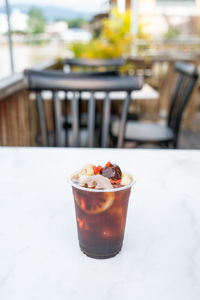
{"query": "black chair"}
(89, 64)
(90, 67)
(39, 81)
(154, 133)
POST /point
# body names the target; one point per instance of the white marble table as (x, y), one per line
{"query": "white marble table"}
(39, 254)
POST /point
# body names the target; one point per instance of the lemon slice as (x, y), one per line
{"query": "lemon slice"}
(96, 204)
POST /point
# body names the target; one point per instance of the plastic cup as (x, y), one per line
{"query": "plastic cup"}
(101, 219)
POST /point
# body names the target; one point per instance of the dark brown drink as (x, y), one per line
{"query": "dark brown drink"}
(101, 219)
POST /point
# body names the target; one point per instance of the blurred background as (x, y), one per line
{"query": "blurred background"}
(150, 34)
(46, 30)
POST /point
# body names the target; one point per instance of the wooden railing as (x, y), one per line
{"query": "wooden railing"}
(161, 75)
(18, 113)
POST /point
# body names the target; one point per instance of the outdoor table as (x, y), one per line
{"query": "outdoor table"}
(39, 253)
(146, 93)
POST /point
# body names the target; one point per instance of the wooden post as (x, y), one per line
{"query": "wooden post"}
(166, 89)
(3, 125)
(33, 121)
(191, 109)
(128, 4)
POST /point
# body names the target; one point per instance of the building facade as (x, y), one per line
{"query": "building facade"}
(158, 16)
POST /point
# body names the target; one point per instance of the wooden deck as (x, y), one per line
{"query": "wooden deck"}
(187, 140)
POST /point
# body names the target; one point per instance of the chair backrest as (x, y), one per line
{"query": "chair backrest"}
(57, 81)
(98, 64)
(187, 78)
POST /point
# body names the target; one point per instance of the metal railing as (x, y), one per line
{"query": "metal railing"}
(9, 36)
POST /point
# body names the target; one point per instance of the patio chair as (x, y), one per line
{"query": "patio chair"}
(88, 67)
(56, 81)
(154, 133)
(95, 65)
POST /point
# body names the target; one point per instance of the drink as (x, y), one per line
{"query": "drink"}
(101, 216)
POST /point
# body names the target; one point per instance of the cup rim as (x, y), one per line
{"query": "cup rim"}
(101, 191)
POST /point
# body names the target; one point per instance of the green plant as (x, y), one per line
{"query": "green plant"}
(114, 40)
(172, 33)
(36, 21)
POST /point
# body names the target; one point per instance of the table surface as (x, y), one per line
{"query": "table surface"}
(146, 93)
(39, 253)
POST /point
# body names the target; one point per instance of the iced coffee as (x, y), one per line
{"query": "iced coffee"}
(101, 195)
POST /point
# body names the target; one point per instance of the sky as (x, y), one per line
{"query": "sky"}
(77, 5)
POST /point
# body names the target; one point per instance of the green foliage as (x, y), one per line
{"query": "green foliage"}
(114, 39)
(79, 48)
(36, 21)
(172, 33)
(60, 20)
(19, 32)
(76, 23)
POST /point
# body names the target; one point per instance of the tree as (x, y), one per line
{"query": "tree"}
(76, 23)
(36, 21)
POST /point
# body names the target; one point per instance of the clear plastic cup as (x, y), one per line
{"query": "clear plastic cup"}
(101, 219)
